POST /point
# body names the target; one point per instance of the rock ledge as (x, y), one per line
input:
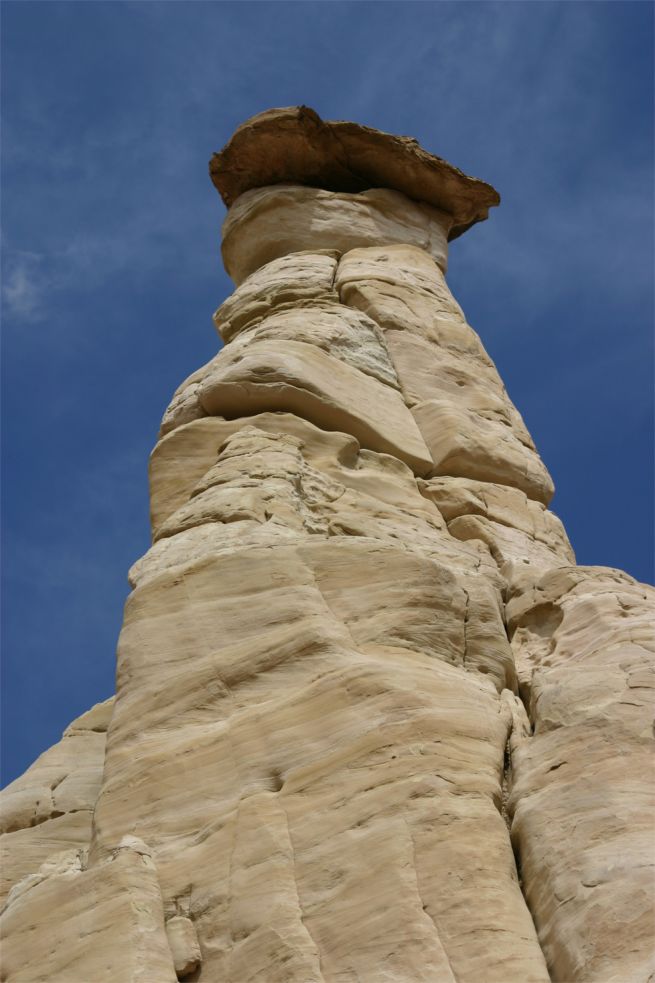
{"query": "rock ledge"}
(294, 145)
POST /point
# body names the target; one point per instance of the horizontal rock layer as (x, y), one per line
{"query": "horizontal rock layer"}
(410, 338)
(267, 223)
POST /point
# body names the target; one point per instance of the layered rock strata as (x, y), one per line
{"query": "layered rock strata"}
(372, 722)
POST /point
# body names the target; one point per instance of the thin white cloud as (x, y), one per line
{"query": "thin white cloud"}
(22, 284)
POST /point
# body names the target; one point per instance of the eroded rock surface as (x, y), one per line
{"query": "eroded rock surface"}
(295, 146)
(582, 776)
(267, 223)
(50, 807)
(69, 922)
(371, 723)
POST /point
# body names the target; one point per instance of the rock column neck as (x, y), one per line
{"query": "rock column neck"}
(265, 224)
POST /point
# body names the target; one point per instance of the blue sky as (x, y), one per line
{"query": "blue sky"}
(112, 269)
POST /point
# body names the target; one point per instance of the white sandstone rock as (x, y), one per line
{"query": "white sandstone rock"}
(49, 808)
(299, 279)
(298, 378)
(358, 650)
(582, 790)
(266, 223)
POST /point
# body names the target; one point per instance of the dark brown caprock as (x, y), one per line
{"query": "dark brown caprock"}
(294, 145)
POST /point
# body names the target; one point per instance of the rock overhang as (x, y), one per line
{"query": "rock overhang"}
(294, 145)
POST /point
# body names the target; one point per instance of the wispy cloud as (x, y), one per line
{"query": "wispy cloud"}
(22, 287)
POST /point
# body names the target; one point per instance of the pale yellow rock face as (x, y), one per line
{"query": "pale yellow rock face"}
(302, 279)
(267, 223)
(524, 538)
(299, 378)
(451, 385)
(50, 807)
(372, 724)
(341, 717)
(70, 922)
(582, 776)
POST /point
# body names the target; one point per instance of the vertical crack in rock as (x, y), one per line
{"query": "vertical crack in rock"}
(446, 970)
(577, 658)
(505, 792)
(353, 573)
(319, 975)
(519, 730)
(465, 625)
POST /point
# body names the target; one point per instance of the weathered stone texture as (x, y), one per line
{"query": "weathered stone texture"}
(70, 923)
(50, 807)
(267, 223)
(583, 793)
(371, 723)
(295, 146)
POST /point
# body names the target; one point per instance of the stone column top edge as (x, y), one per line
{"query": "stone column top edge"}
(293, 145)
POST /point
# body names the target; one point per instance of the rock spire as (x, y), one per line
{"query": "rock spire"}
(372, 723)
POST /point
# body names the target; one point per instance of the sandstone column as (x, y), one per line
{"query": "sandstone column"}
(372, 722)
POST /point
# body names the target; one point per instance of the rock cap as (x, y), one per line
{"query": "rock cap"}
(294, 145)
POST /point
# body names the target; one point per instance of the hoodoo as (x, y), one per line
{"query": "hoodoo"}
(372, 723)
